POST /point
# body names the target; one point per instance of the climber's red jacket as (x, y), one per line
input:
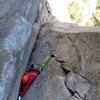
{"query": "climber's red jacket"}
(32, 76)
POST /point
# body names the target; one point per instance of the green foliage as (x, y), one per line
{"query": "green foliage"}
(75, 13)
(96, 18)
(98, 5)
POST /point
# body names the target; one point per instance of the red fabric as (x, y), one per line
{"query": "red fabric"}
(32, 76)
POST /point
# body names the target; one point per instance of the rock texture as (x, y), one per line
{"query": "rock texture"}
(77, 84)
(20, 23)
(49, 85)
(79, 47)
(12, 50)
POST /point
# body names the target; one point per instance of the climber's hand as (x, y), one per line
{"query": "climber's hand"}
(19, 97)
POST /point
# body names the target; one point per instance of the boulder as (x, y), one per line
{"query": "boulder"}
(77, 84)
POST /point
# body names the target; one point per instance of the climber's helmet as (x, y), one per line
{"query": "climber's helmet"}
(25, 79)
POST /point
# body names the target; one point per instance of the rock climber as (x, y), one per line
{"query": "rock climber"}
(27, 79)
(29, 76)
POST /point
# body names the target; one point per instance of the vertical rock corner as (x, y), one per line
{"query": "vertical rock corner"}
(25, 28)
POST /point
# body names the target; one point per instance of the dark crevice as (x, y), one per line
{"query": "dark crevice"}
(72, 93)
(84, 77)
(65, 71)
(78, 95)
(33, 48)
(78, 52)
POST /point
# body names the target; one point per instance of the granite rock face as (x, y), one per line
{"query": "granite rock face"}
(79, 48)
(77, 84)
(12, 50)
(20, 22)
(49, 85)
